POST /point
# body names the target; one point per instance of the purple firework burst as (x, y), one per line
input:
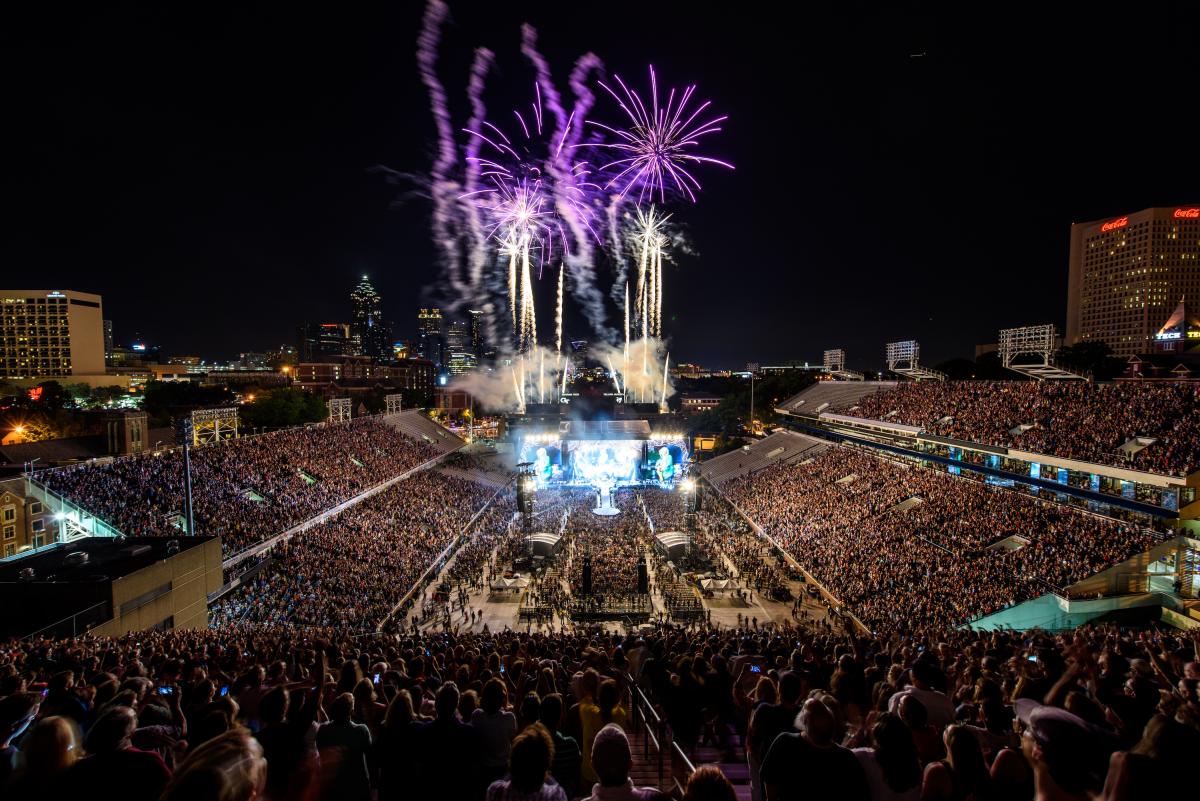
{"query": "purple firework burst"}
(655, 153)
(530, 186)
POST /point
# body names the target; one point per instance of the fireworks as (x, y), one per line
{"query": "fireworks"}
(655, 153)
(513, 191)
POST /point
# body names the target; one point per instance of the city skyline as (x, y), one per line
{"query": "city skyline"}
(900, 154)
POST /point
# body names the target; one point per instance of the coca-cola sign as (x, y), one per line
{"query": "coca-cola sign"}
(1187, 214)
(1113, 225)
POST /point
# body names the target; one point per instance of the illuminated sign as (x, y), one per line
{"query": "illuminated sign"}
(1171, 335)
(1189, 214)
(139, 346)
(1115, 224)
(1193, 334)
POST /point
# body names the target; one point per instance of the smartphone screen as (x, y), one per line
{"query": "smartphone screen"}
(755, 669)
(166, 690)
(225, 691)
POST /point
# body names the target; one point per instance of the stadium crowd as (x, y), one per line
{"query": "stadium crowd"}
(245, 490)
(352, 569)
(278, 712)
(1073, 419)
(899, 544)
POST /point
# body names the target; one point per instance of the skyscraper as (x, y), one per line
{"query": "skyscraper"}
(108, 342)
(369, 333)
(477, 343)
(430, 336)
(319, 342)
(460, 350)
(50, 333)
(1128, 273)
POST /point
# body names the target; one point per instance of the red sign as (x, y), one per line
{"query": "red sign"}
(1190, 214)
(1115, 224)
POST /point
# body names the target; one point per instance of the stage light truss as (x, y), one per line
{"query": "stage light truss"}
(393, 404)
(339, 409)
(835, 365)
(904, 358)
(213, 425)
(1030, 351)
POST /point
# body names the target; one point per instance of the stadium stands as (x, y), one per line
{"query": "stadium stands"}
(777, 448)
(415, 424)
(249, 489)
(829, 395)
(1098, 423)
(844, 516)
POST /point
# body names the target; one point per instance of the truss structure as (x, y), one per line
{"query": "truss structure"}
(904, 358)
(339, 409)
(1030, 351)
(835, 365)
(393, 404)
(213, 425)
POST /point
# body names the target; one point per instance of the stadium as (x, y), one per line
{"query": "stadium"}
(904, 587)
(886, 532)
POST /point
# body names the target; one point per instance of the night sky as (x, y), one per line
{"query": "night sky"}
(901, 173)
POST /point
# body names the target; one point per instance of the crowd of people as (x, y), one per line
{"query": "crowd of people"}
(244, 490)
(278, 712)
(899, 544)
(352, 569)
(1072, 419)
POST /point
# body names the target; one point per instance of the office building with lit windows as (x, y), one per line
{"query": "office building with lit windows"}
(50, 333)
(431, 336)
(1128, 273)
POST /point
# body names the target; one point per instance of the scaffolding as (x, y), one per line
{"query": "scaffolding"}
(213, 425)
(1035, 346)
(904, 358)
(339, 410)
(393, 404)
(835, 365)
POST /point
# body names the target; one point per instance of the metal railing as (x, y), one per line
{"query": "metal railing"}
(74, 625)
(658, 742)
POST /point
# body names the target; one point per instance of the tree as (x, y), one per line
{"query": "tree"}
(165, 400)
(32, 427)
(285, 406)
(48, 396)
(1093, 358)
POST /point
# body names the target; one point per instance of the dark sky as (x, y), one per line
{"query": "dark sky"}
(209, 170)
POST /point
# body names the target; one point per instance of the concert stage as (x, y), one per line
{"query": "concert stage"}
(600, 445)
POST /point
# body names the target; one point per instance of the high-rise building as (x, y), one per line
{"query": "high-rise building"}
(369, 334)
(1128, 273)
(48, 333)
(430, 336)
(461, 356)
(321, 341)
(477, 343)
(108, 342)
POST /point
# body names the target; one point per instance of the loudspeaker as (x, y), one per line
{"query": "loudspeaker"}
(643, 576)
(587, 575)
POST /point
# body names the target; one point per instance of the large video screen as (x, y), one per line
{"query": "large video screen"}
(592, 462)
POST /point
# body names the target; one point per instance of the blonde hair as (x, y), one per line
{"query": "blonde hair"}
(226, 768)
(51, 747)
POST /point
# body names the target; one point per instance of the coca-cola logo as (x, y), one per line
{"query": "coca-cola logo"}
(1115, 224)
(1189, 214)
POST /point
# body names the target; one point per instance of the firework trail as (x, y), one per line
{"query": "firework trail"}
(499, 194)
(558, 313)
(653, 155)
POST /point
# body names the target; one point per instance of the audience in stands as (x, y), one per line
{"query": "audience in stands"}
(318, 579)
(244, 490)
(898, 544)
(1098, 704)
(1073, 419)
